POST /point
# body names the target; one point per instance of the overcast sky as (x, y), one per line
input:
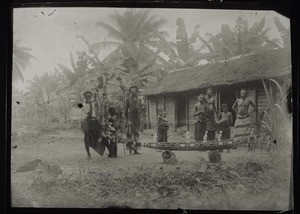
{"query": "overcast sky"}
(53, 37)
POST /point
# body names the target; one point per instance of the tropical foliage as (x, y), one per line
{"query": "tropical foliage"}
(137, 36)
(21, 60)
(142, 55)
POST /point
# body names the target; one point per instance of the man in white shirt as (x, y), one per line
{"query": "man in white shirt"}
(90, 124)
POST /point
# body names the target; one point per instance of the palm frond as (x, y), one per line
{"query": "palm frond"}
(105, 44)
(112, 32)
(72, 61)
(278, 87)
(16, 73)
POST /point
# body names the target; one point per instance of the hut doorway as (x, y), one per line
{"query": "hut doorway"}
(229, 97)
(181, 111)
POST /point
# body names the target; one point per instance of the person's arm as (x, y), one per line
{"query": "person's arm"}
(196, 111)
(111, 128)
(253, 105)
(85, 110)
(230, 118)
(164, 119)
(126, 109)
(214, 104)
(234, 106)
(219, 116)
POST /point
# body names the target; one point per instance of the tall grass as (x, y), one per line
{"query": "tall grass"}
(276, 121)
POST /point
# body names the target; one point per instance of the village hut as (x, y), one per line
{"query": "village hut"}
(177, 92)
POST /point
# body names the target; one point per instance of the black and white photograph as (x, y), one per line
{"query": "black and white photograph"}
(151, 108)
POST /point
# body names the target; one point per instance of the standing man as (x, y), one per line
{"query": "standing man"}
(201, 124)
(243, 124)
(90, 124)
(132, 115)
(210, 112)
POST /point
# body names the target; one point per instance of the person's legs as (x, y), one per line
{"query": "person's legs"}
(211, 135)
(113, 148)
(129, 137)
(226, 134)
(165, 136)
(136, 135)
(88, 152)
(107, 145)
(85, 129)
(159, 135)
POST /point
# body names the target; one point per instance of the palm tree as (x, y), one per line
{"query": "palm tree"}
(135, 33)
(21, 60)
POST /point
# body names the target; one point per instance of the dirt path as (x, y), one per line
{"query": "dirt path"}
(66, 148)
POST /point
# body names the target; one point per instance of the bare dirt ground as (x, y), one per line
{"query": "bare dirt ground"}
(141, 181)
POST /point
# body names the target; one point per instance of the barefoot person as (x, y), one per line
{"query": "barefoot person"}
(90, 124)
(201, 124)
(210, 112)
(132, 114)
(242, 123)
(225, 120)
(162, 126)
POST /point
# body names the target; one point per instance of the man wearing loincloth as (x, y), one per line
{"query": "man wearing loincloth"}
(210, 112)
(243, 124)
(132, 114)
(201, 124)
(90, 124)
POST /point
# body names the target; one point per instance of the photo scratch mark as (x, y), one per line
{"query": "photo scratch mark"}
(51, 13)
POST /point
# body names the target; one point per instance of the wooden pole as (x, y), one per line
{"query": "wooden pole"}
(156, 105)
(175, 112)
(148, 110)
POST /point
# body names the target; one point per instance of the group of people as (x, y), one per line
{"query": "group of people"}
(208, 124)
(210, 121)
(108, 133)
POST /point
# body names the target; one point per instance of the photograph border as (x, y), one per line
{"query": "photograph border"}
(280, 6)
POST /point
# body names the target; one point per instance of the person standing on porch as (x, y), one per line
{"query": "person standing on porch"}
(162, 126)
(243, 124)
(132, 115)
(201, 124)
(225, 120)
(210, 112)
(90, 124)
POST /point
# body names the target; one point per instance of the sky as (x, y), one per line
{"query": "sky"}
(52, 33)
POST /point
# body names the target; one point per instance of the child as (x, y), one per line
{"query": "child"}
(162, 126)
(109, 135)
(225, 120)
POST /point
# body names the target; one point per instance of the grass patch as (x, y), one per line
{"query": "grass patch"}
(157, 187)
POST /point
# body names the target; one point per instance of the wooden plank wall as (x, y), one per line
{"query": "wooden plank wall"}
(152, 110)
(169, 103)
(262, 99)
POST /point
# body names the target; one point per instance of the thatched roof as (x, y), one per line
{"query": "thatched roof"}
(242, 69)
